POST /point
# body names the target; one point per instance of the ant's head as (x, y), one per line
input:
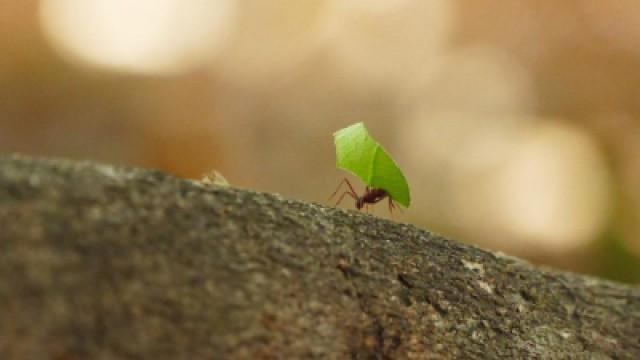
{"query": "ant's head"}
(360, 203)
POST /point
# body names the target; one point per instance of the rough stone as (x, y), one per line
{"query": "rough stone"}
(98, 262)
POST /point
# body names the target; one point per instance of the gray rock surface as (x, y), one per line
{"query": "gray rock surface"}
(98, 262)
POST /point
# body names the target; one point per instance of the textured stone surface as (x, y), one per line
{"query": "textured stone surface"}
(99, 262)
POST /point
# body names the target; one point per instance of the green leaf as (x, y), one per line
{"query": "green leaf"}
(358, 153)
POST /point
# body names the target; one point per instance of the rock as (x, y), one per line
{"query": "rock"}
(98, 262)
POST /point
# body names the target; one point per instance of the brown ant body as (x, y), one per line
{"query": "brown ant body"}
(371, 196)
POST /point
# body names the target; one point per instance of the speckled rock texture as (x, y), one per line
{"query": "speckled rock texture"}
(98, 262)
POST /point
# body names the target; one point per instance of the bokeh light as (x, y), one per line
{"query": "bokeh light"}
(386, 42)
(272, 39)
(144, 36)
(554, 193)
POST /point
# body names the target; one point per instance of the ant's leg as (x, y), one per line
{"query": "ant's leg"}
(396, 206)
(344, 180)
(353, 192)
(338, 188)
(342, 197)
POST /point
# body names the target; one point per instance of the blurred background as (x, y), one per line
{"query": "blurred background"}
(517, 123)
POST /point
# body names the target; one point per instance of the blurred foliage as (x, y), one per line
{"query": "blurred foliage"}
(616, 261)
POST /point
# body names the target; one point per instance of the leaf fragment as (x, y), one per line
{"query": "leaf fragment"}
(358, 153)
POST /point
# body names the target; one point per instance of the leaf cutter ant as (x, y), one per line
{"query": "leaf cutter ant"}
(371, 196)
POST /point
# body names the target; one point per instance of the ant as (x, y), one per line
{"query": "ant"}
(371, 196)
